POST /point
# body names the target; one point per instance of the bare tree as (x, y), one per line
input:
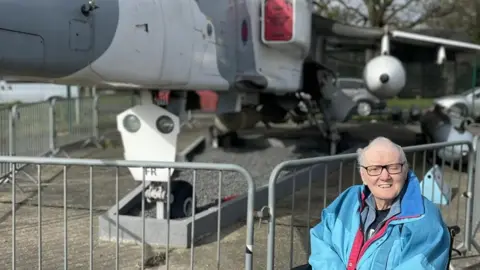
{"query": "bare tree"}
(463, 18)
(377, 13)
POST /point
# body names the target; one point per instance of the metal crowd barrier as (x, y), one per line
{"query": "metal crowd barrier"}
(86, 252)
(323, 189)
(45, 128)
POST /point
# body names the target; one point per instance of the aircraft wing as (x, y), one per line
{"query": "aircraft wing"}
(407, 45)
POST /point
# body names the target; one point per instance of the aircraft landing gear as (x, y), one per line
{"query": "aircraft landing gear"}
(149, 132)
(181, 199)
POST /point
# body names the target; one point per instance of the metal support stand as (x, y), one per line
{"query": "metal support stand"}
(334, 139)
(161, 210)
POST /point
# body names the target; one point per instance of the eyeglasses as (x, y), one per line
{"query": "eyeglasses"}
(376, 170)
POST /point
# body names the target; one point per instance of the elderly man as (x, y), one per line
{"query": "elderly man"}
(385, 223)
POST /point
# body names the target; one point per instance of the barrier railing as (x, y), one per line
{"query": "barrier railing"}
(78, 231)
(326, 188)
(45, 128)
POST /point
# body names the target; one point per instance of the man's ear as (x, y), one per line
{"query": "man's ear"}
(362, 175)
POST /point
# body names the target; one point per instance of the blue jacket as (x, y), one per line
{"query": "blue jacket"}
(416, 238)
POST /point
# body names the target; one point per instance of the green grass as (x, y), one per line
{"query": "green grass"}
(403, 103)
(406, 103)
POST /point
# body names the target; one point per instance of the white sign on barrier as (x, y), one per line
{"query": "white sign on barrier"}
(434, 187)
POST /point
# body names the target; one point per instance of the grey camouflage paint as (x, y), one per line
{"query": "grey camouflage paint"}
(235, 58)
(52, 38)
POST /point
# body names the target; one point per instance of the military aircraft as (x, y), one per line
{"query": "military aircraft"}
(263, 58)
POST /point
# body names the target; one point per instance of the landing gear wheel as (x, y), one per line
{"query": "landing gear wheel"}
(218, 140)
(182, 205)
(364, 108)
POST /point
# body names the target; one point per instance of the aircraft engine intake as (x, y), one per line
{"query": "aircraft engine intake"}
(384, 76)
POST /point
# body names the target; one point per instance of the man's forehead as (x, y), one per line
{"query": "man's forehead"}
(382, 150)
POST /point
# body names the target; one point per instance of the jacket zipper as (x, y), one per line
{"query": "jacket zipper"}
(383, 230)
(368, 243)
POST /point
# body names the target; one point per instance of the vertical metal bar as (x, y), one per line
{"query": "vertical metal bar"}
(414, 161)
(169, 194)
(325, 176)
(192, 245)
(307, 234)
(91, 216)
(117, 228)
(143, 218)
(340, 177)
(354, 175)
(424, 168)
(434, 162)
(460, 168)
(14, 215)
(469, 234)
(65, 218)
(452, 165)
(39, 197)
(250, 212)
(292, 217)
(442, 168)
(219, 216)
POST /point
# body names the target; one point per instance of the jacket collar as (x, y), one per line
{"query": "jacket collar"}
(411, 199)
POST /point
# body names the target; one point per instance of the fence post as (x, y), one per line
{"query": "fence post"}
(95, 135)
(96, 131)
(473, 212)
(12, 119)
(472, 157)
(271, 218)
(52, 129)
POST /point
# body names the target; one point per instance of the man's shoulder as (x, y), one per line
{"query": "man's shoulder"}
(431, 210)
(351, 193)
(432, 217)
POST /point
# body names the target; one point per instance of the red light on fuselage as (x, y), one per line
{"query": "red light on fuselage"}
(244, 31)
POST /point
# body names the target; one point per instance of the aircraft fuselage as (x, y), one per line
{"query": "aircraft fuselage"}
(183, 44)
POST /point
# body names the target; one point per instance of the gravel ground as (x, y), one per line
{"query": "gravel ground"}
(259, 163)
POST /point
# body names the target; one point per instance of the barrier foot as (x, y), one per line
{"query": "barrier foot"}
(7, 180)
(58, 152)
(94, 141)
(462, 249)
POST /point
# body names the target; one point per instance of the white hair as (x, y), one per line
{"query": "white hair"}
(384, 141)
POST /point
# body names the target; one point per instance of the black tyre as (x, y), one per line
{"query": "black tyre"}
(182, 205)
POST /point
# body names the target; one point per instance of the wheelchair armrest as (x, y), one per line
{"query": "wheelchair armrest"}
(454, 230)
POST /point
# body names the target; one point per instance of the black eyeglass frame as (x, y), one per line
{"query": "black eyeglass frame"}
(384, 167)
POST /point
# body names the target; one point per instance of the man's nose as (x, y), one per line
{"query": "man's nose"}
(384, 175)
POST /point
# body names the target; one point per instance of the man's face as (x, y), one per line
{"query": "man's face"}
(384, 186)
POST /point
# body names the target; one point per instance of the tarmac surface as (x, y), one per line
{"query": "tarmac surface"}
(232, 243)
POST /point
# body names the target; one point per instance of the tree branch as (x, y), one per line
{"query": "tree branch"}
(353, 10)
(395, 11)
(436, 12)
